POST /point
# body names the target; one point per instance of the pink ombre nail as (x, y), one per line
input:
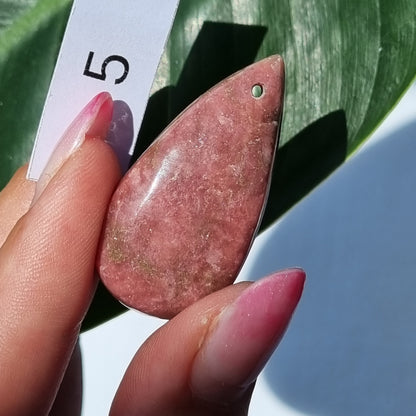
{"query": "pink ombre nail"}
(245, 336)
(92, 122)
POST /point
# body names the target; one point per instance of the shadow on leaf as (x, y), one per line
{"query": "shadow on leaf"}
(215, 43)
(305, 161)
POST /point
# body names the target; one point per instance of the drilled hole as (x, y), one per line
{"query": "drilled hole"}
(257, 90)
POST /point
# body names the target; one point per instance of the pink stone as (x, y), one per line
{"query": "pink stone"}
(182, 220)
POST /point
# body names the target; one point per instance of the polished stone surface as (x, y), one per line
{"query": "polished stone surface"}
(182, 220)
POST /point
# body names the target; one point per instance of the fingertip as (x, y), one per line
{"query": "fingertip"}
(215, 349)
(244, 336)
(91, 123)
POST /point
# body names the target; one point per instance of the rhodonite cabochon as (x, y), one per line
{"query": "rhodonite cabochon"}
(183, 218)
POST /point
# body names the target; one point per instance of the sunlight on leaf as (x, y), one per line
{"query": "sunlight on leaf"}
(10, 10)
(28, 50)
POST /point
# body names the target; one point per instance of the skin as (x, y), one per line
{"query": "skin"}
(44, 295)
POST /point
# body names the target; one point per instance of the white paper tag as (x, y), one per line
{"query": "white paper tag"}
(112, 45)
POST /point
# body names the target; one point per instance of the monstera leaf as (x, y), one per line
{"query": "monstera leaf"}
(347, 64)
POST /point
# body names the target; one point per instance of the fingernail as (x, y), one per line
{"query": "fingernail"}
(244, 337)
(92, 122)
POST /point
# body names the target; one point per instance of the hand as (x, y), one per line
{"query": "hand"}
(203, 362)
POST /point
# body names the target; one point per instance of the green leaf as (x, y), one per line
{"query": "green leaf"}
(29, 44)
(10, 10)
(347, 64)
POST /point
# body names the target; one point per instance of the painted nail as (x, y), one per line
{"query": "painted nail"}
(244, 337)
(92, 122)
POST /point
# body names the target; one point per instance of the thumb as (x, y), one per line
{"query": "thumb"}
(47, 264)
(205, 361)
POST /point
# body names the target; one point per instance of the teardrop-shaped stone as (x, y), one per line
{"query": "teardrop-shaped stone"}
(183, 218)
